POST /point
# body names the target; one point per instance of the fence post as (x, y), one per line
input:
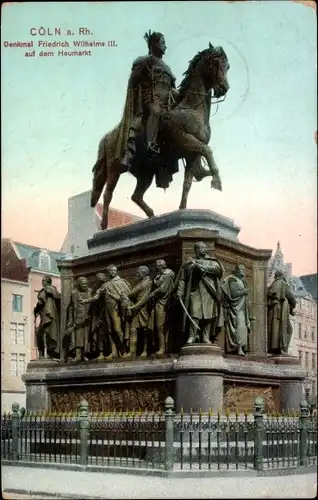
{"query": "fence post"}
(258, 433)
(84, 431)
(15, 420)
(303, 427)
(169, 429)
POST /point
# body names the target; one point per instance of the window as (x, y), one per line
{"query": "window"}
(17, 303)
(13, 333)
(313, 361)
(17, 364)
(314, 387)
(299, 330)
(44, 261)
(305, 332)
(313, 333)
(21, 334)
(300, 356)
(14, 365)
(21, 365)
(307, 360)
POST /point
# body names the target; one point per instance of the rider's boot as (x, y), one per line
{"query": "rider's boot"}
(126, 161)
(152, 133)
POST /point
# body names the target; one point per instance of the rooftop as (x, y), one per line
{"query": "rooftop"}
(310, 283)
(39, 259)
(117, 217)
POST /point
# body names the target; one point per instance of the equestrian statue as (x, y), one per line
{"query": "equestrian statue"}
(161, 125)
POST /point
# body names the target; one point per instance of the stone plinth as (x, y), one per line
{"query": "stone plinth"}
(164, 226)
(284, 359)
(200, 377)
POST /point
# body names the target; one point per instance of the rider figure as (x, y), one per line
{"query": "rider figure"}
(152, 83)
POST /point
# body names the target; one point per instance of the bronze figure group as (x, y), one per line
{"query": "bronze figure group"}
(110, 322)
(162, 124)
(120, 320)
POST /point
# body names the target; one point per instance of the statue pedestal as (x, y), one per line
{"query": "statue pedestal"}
(200, 377)
(196, 376)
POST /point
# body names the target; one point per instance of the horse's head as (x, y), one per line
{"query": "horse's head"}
(215, 68)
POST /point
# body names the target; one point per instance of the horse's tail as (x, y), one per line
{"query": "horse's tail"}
(99, 172)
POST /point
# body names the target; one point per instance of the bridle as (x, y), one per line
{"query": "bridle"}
(206, 95)
(202, 101)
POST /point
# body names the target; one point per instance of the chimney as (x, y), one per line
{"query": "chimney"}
(82, 224)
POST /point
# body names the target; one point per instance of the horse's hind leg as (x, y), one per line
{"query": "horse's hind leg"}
(108, 194)
(187, 183)
(138, 194)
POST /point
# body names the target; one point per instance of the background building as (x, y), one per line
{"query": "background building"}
(304, 340)
(310, 283)
(22, 269)
(84, 222)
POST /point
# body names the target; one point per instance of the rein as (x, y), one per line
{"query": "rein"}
(205, 95)
(202, 101)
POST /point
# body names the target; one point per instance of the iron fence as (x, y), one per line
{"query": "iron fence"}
(130, 440)
(169, 441)
(47, 438)
(207, 441)
(281, 441)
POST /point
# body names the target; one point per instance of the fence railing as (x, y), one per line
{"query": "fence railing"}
(170, 441)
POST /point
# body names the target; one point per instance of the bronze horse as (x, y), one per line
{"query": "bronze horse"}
(184, 134)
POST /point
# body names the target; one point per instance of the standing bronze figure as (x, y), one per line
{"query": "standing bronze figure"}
(163, 286)
(48, 308)
(237, 319)
(199, 292)
(79, 320)
(113, 291)
(138, 311)
(161, 126)
(280, 304)
(100, 339)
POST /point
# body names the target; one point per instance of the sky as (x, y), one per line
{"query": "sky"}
(56, 109)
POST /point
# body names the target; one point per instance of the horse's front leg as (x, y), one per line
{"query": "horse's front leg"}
(187, 183)
(191, 144)
(216, 181)
(138, 195)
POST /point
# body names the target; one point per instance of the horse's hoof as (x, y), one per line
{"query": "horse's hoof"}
(216, 184)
